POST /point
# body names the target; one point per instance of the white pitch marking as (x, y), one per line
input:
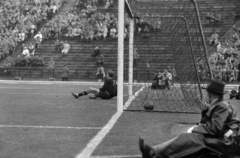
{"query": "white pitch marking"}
(178, 85)
(48, 94)
(134, 96)
(92, 145)
(50, 127)
(227, 87)
(83, 83)
(117, 156)
(50, 82)
(16, 88)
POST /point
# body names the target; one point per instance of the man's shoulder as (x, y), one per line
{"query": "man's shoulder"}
(222, 104)
(108, 80)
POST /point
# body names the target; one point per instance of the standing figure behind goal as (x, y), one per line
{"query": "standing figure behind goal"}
(162, 80)
(168, 78)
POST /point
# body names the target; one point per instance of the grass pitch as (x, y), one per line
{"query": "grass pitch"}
(35, 120)
(45, 120)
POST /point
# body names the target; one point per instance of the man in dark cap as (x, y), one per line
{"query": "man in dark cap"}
(108, 91)
(215, 136)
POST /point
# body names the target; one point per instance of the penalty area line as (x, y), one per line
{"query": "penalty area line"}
(92, 145)
(50, 127)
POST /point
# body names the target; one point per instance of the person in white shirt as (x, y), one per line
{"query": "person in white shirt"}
(107, 5)
(113, 32)
(38, 37)
(168, 79)
(32, 29)
(66, 48)
(105, 31)
(125, 33)
(22, 36)
(26, 52)
(54, 8)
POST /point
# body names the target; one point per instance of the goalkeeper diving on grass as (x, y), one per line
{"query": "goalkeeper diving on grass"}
(108, 90)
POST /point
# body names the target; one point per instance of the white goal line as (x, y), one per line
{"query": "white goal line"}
(118, 156)
(178, 85)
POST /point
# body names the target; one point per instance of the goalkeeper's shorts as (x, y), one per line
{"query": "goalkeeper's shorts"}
(104, 95)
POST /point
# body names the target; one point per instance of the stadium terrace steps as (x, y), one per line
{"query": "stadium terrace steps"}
(82, 66)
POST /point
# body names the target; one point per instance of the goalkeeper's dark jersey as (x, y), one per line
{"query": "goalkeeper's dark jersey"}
(109, 87)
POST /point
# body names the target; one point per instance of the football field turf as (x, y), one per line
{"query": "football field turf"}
(43, 120)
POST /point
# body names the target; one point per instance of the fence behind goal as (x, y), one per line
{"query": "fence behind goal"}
(168, 35)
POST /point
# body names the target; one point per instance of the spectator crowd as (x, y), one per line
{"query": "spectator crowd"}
(20, 19)
(83, 22)
(225, 59)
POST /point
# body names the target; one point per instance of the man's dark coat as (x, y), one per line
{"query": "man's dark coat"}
(207, 137)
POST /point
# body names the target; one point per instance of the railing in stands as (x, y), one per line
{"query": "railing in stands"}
(41, 73)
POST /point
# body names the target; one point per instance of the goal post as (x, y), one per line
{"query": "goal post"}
(120, 70)
(130, 68)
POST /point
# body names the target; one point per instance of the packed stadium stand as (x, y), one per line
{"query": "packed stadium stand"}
(216, 16)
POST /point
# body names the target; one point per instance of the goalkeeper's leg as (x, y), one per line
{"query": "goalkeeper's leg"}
(93, 91)
(90, 90)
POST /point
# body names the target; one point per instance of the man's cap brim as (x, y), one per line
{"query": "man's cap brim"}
(214, 91)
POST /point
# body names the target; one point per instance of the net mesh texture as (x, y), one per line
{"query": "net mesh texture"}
(168, 38)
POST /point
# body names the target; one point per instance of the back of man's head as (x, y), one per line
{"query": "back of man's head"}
(110, 73)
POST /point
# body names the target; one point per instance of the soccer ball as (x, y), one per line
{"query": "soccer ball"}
(148, 105)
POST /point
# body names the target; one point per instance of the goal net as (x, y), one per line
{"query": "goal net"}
(172, 63)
